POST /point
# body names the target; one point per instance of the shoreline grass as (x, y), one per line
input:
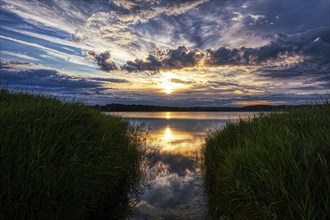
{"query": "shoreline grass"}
(274, 166)
(64, 160)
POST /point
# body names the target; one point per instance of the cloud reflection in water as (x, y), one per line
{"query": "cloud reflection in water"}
(177, 184)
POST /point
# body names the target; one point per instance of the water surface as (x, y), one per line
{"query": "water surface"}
(177, 182)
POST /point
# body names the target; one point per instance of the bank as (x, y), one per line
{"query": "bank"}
(274, 166)
(62, 160)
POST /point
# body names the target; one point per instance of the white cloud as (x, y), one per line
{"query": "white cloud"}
(106, 29)
(65, 42)
(53, 53)
(255, 18)
(238, 16)
(19, 55)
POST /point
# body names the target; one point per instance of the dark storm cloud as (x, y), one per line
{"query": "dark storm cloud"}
(311, 67)
(44, 78)
(166, 60)
(20, 75)
(111, 80)
(103, 60)
(313, 47)
(7, 64)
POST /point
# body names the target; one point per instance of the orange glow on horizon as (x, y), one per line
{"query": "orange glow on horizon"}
(168, 115)
(254, 102)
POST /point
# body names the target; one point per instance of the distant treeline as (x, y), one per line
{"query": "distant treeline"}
(155, 108)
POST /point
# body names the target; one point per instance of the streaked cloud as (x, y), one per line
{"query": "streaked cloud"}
(18, 55)
(36, 78)
(204, 52)
(51, 52)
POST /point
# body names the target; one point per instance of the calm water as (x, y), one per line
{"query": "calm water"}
(177, 180)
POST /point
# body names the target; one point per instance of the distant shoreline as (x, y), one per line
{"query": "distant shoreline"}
(154, 108)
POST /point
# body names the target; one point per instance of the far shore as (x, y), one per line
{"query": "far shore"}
(154, 108)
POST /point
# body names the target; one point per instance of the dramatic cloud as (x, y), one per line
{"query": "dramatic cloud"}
(15, 72)
(276, 51)
(28, 76)
(166, 60)
(111, 80)
(44, 78)
(103, 60)
(313, 47)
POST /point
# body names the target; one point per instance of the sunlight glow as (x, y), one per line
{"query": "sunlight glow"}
(167, 87)
(175, 141)
(166, 82)
(253, 102)
(167, 134)
(168, 115)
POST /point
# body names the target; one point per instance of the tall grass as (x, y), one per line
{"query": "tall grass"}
(64, 161)
(274, 166)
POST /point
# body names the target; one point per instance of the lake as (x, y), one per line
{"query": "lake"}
(177, 190)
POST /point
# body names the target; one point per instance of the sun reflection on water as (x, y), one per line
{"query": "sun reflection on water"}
(175, 141)
(167, 134)
(176, 173)
(167, 115)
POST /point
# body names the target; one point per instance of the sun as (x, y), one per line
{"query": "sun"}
(168, 90)
(167, 87)
(169, 82)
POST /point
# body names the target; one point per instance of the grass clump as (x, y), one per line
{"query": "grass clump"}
(64, 160)
(274, 166)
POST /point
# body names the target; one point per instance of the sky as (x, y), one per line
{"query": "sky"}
(168, 52)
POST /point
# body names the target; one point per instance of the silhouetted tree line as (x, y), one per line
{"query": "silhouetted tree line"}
(154, 108)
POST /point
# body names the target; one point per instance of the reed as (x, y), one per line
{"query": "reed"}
(64, 160)
(273, 166)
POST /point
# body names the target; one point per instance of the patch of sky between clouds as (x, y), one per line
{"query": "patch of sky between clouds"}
(49, 45)
(43, 40)
(19, 56)
(10, 19)
(48, 56)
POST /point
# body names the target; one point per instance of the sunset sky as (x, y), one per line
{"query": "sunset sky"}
(168, 52)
